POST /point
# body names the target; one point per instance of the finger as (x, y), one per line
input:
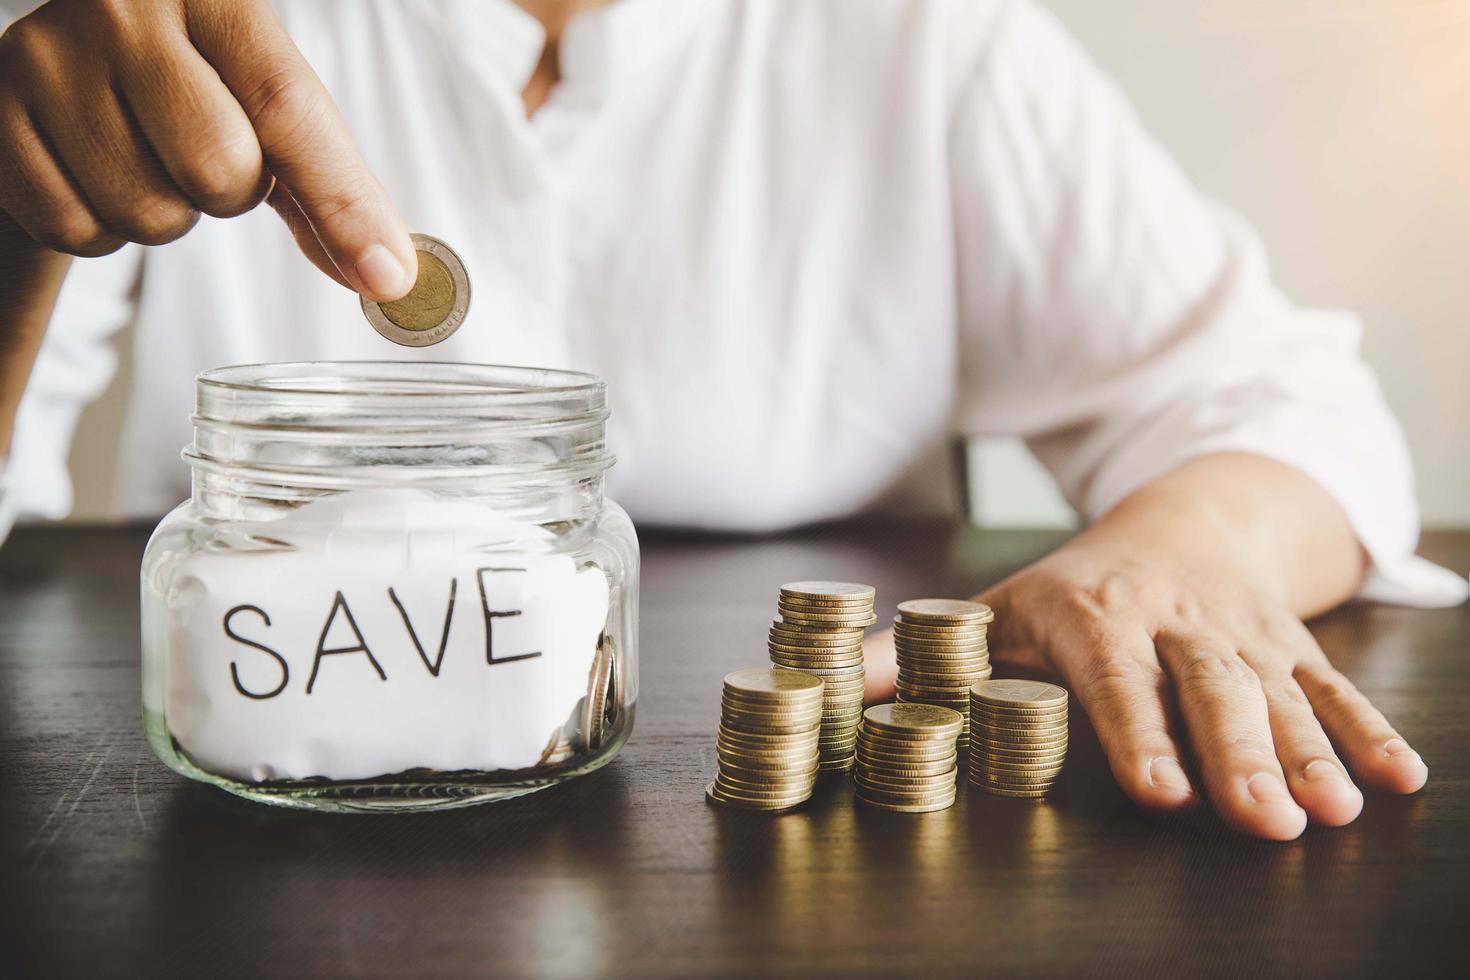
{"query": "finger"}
(197, 130)
(1379, 756)
(880, 667)
(1316, 777)
(1122, 688)
(307, 148)
(1224, 710)
(284, 205)
(36, 192)
(125, 185)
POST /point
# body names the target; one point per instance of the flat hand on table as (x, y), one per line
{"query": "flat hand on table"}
(1196, 682)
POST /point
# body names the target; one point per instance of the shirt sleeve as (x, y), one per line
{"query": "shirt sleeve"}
(1124, 324)
(76, 361)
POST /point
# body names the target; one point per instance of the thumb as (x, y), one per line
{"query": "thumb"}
(306, 146)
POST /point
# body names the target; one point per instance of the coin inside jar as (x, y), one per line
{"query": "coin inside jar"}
(436, 305)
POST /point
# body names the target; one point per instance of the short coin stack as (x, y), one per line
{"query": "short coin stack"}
(1018, 736)
(906, 757)
(821, 632)
(767, 745)
(942, 651)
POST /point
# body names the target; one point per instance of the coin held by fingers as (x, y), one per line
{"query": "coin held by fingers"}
(436, 305)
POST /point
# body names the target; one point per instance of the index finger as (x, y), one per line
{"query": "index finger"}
(306, 146)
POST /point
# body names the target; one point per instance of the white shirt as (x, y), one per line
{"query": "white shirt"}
(807, 244)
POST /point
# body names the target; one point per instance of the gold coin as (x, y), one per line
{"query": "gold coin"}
(764, 740)
(833, 660)
(910, 772)
(936, 763)
(1010, 692)
(903, 741)
(917, 719)
(1034, 731)
(945, 611)
(436, 305)
(940, 651)
(910, 807)
(761, 706)
(991, 757)
(765, 781)
(822, 647)
(854, 591)
(852, 621)
(821, 630)
(1021, 716)
(886, 782)
(1017, 794)
(773, 685)
(717, 795)
(876, 742)
(932, 798)
(766, 791)
(938, 631)
(823, 605)
(759, 759)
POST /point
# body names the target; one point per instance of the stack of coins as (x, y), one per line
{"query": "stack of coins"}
(767, 745)
(941, 651)
(906, 757)
(1018, 736)
(821, 632)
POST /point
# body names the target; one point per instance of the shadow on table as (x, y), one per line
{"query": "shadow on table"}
(234, 884)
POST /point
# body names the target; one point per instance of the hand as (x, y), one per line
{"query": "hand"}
(1195, 678)
(122, 120)
(1175, 620)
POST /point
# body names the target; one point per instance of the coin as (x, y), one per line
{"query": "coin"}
(436, 305)
(904, 769)
(910, 807)
(937, 799)
(845, 620)
(917, 718)
(718, 795)
(1009, 692)
(764, 740)
(931, 631)
(784, 686)
(849, 591)
(945, 611)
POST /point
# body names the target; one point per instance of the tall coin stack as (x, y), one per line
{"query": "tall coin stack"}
(942, 651)
(767, 745)
(821, 632)
(906, 757)
(1018, 736)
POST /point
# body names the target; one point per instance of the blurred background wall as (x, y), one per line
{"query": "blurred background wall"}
(1340, 128)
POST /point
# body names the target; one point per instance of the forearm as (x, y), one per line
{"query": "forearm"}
(1245, 515)
(30, 279)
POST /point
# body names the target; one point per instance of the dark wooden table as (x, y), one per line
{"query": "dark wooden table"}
(112, 865)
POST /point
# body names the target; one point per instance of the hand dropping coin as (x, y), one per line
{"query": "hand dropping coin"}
(436, 305)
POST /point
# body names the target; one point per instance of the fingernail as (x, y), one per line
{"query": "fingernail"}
(381, 273)
(1320, 769)
(1397, 746)
(1167, 773)
(1267, 787)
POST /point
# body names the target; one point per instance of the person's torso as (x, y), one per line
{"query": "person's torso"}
(738, 213)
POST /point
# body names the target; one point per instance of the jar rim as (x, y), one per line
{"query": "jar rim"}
(354, 423)
(309, 379)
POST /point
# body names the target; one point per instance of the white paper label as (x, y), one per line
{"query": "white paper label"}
(350, 659)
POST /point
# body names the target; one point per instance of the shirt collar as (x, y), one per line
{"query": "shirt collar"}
(503, 42)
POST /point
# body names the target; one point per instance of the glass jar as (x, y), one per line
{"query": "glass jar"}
(395, 586)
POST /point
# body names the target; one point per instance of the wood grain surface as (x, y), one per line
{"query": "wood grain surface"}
(111, 865)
